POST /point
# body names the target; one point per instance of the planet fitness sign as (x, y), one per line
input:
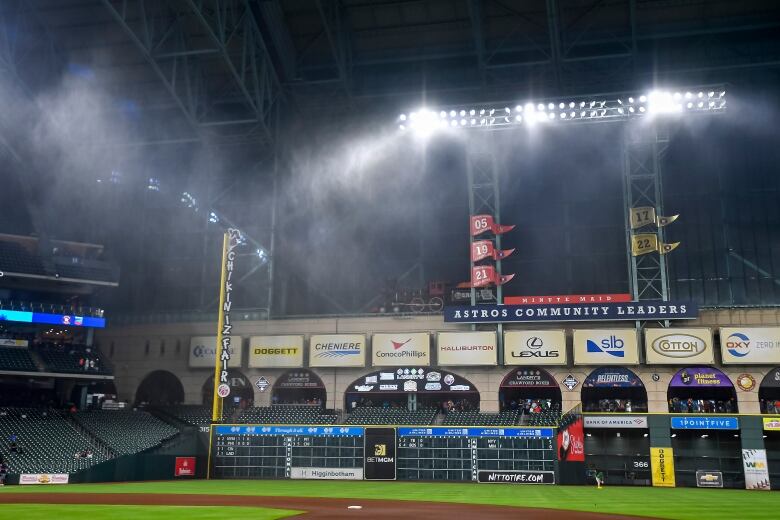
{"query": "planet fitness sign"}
(700, 377)
(631, 311)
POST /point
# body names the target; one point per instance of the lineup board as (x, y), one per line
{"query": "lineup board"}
(420, 453)
(287, 452)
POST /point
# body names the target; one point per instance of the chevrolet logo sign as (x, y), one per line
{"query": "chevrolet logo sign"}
(709, 477)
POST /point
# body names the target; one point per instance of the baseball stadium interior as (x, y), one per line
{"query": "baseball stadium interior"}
(534, 242)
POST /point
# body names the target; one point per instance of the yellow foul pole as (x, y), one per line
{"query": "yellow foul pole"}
(216, 406)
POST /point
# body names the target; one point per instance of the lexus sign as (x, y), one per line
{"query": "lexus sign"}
(535, 347)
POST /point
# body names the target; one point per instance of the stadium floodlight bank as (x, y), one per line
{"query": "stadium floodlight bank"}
(606, 108)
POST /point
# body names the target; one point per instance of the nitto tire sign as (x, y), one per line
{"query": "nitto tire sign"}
(516, 477)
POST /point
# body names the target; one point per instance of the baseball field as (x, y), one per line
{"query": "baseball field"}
(267, 500)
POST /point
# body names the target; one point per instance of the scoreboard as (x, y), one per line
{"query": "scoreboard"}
(443, 453)
(287, 452)
(523, 455)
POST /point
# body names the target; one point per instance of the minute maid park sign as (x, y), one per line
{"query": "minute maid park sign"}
(631, 311)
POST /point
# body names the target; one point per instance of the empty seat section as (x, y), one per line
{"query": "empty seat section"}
(47, 442)
(126, 432)
(380, 415)
(12, 358)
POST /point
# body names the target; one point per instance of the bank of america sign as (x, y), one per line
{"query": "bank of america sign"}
(608, 421)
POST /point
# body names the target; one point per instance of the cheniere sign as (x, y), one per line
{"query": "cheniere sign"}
(572, 312)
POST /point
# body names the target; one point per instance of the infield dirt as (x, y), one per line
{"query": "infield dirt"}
(319, 508)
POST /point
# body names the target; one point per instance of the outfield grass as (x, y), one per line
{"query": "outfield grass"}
(677, 503)
(95, 512)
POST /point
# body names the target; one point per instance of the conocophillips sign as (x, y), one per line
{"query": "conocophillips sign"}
(467, 348)
(337, 350)
(678, 346)
(202, 351)
(535, 347)
(753, 345)
(276, 351)
(401, 349)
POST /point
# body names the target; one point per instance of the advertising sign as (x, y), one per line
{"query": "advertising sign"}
(415, 379)
(299, 379)
(483, 433)
(203, 351)
(379, 454)
(690, 422)
(52, 319)
(18, 343)
(327, 473)
(615, 421)
(528, 377)
(275, 351)
(679, 346)
(632, 311)
(535, 347)
(337, 350)
(605, 347)
(567, 298)
(43, 478)
(466, 348)
(772, 379)
(750, 345)
(401, 349)
(662, 466)
(756, 469)
(609, 377)
(185, 467)
(697, 377)
(515, 477)
(709, 479)
(571, 442)
(772, 424)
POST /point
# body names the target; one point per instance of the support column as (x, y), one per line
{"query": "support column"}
(643, 152)
(484, 199)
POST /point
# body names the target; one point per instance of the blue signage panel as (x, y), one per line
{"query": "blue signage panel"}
(67, 320)
(705, 423)
(654, 310)
(20, 316)
(314, 431)
(475, 432)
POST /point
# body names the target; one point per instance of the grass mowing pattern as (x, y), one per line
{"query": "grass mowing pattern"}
(103, 512)
(676, 503)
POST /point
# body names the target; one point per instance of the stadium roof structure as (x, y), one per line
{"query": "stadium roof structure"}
(233, 70)
(183, 78)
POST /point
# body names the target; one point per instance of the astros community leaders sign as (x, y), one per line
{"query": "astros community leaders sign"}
(659, 310)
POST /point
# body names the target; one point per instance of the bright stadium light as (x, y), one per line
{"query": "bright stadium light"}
(619, 107)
